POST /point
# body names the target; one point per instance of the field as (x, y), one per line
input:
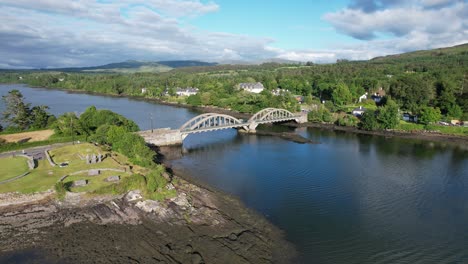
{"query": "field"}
(12, 167)
(28, 136)
(45, 176)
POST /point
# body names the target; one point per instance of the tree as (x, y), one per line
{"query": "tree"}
(429, 115)
(68, 125)
(17, 112)
(369, 121)
(39, 117)
(454, 111)
(341, 94)
(388, 115)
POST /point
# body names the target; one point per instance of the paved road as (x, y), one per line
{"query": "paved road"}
(36, 152)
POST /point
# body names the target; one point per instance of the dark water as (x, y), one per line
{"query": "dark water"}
(351, 199)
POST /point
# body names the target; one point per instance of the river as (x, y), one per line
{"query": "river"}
(350, 199)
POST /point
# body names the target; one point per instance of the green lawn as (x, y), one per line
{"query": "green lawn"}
(45, 176)
(12, 167)
(450, 130)
(94, 182)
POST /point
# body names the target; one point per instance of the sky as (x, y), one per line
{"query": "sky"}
(75, 33)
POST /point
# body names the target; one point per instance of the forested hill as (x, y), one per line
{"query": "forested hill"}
(426, 54)
(130, 66)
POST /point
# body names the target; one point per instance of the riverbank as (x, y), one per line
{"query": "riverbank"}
(197, 226)
(422, 135)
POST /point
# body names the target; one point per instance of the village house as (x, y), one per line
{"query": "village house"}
(410, 118)
(252, 87)
(299, 98)
(377, 96)
(143, 90)
(358, 112)
(279, 91)
(186, 91)
(362, 97)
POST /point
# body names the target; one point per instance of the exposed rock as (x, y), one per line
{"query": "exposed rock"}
(115, 178)
(181, 200)
(133, 196)
(170, 186)
(118, 231)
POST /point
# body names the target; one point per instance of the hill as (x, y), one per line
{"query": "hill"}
(134, 66)
(426, 54)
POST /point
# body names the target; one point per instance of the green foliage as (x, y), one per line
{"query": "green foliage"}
(194, 100)
(428, 78)
(320, 115)
(68, 124)
(131, 145)
(92, 118)
(155, 180)
(40, 118)
(388, 115)
(347, 120)
(341, 95)
(429, 115)
(17, 112)
(412, 91)
(61, 189)
(369, 121)
(20, 116)
(100, 135)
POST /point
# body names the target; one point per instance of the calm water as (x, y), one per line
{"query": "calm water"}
(350, 199)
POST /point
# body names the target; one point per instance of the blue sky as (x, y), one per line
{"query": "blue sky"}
(292, 26)
(69, 33)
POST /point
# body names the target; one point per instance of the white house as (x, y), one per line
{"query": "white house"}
(252, 87)
(363, 97)
(186, 91)
(279, 91)
(359, 111)
(143, 90)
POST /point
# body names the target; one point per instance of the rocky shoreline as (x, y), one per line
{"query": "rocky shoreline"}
(197, 226)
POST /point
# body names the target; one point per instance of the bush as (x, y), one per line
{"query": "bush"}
(61, 189)
(347, 120)
(369, 121)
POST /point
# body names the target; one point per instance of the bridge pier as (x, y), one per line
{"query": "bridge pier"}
(251, 127)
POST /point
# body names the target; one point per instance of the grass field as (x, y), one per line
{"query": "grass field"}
(45, 176)
(12, 167)
(28, 136)
(94, 182)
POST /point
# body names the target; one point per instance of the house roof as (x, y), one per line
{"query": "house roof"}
(359, 109)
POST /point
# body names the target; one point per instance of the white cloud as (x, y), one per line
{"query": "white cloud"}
(50, 33)
(406, 26)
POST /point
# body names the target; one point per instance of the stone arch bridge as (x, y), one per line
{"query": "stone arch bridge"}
(213, 121)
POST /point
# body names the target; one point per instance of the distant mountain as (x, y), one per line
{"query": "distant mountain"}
(459, 49)
(258, 62)
(186, 63)
(132, 66)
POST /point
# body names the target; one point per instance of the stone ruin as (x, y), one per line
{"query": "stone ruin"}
(79, 183)
(114, 178)
(94, 172)
(94, 158)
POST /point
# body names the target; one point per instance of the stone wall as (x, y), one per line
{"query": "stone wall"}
(162, 137)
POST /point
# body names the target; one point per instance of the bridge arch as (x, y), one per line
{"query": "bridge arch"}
(210, 121)
(272, 114)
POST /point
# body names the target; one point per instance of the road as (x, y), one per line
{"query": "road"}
(35, 152)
